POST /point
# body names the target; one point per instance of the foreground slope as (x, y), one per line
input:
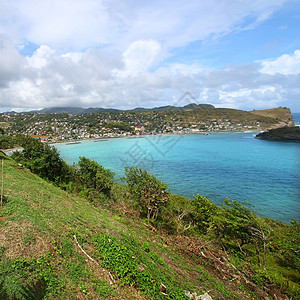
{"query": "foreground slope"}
(43, 228)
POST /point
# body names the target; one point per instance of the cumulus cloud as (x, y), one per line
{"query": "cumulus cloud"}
(285, 64)
(115, 54)
(97, 78)
(10, 62)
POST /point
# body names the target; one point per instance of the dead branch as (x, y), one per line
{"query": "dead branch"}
(90, 258)
(112, 280)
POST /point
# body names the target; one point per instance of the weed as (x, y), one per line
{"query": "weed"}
(2, 251)
(103, 289)
(125, 264)
(23, 278)
(28, 238)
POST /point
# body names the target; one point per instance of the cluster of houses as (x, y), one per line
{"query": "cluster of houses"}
(62, 127)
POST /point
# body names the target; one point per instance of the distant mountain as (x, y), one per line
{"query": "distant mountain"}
(73, 110)
(80, 110)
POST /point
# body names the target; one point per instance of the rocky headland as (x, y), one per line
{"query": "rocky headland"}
(289, 134)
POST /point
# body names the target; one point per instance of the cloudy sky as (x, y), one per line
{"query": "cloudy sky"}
(241, 54)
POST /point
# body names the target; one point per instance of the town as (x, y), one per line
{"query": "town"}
(64, 127)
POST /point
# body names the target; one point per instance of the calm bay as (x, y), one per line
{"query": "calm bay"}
(218, 165)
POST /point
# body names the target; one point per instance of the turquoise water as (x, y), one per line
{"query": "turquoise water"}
(219, 165)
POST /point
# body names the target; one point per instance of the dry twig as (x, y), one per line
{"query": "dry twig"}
(90, 258)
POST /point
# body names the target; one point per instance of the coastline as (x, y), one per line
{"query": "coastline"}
(205, 133)
(215, 166)
(10, 151)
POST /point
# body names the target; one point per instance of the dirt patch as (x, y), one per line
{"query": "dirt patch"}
(23, 241)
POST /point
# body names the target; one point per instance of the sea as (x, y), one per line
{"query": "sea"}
(261, 174)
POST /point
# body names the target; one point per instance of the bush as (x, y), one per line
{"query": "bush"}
(150, 193)
(94, 176)
(41, 159)
(203, 212)
(178, 215)
(236, 224)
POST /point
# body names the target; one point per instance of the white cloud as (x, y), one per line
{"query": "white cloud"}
(114, 54)
(10, 62)
(140, 56)
(104, 79)
(81, 24)
(285, 64)
(40, 57)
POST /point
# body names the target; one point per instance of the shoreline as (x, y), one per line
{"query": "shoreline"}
(10, 151)
(205, 133)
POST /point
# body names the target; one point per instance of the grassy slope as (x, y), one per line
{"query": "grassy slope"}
(40, 219)
(280, 113)
(233, 115)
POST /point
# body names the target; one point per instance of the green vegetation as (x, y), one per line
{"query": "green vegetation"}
(41, 159)
(78, 234)
(127, 261)
(280, 113)
(149, 193)
(94, 179)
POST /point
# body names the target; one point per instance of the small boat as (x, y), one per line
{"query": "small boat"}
(73, 143)
(102, 140)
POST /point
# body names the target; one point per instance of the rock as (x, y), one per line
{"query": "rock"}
(140, 268)
(206, 297)
(194, 296)
(288, 134)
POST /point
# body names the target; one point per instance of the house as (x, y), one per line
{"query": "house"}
(140, 129)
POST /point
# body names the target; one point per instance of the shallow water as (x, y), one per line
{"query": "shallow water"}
(219, 165)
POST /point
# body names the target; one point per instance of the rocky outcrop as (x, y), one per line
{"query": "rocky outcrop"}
(289, 134)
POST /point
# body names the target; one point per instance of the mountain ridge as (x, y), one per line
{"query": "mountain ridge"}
(80, 110)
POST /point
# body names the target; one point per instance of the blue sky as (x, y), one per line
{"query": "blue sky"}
(123, 54)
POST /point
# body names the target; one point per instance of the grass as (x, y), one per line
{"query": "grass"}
(39, 258)
(280, 113)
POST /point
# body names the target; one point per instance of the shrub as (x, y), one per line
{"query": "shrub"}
(150, 193)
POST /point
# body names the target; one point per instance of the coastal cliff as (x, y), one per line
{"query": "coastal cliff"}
(281, 114)
(281, 134)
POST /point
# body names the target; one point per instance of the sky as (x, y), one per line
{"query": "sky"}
(242, 54)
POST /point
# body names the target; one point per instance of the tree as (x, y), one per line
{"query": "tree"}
(234, 222)
(261, 234)
(180, 212)
(94, 176)
(204, 210)
(42, 159)
(150, 193)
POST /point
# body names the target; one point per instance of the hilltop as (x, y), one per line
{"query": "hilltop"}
(57, 245)
(281, 114)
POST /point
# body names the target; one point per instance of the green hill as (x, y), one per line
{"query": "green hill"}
(276, 117)
(54, 245)
(282, 115)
